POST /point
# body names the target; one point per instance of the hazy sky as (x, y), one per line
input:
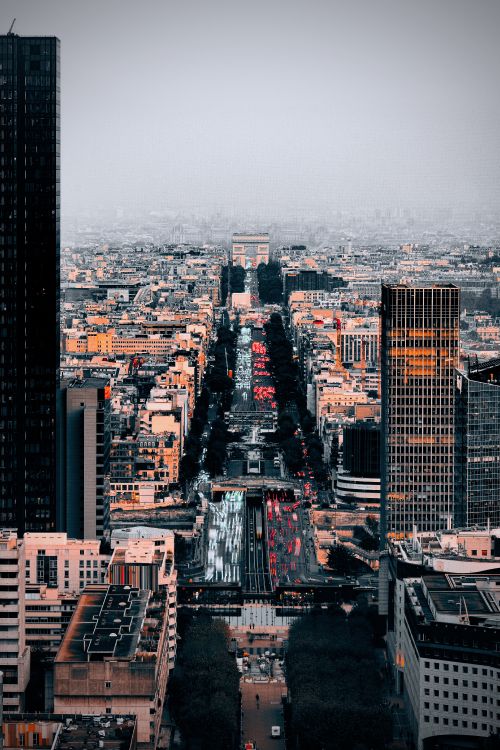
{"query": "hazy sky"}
(292, 103)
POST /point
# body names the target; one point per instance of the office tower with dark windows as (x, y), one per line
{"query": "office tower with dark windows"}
(477, 445)
(84, 436)
(419, 354)
(29, 280)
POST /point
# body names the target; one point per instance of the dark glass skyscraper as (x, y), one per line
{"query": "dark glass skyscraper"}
(477, 447)
(29, 280)
(419, 354)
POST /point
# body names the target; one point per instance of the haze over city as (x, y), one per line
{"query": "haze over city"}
(283, 108)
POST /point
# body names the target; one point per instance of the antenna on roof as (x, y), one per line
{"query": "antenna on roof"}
(11, 27)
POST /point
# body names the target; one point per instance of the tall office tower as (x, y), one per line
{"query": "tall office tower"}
(419, 354)
(29, 280)
(85, 437)
(477, 445)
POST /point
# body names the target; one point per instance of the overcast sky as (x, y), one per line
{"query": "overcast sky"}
(292, 103)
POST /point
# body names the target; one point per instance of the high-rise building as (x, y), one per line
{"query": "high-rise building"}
(29, 280)
(477, 445)
(84, 436)
(419, 354)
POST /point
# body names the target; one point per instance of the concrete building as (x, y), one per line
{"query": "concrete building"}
(114, 657)
(249, 250)
(450, 624)
(477, 445)
(149, 564)
(419, 354)
(84, 437)
(14, 654)
(57, 569)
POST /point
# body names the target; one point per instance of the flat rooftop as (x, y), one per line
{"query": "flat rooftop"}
(106, 624)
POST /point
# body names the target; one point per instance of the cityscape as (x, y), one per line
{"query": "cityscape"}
(249, 444)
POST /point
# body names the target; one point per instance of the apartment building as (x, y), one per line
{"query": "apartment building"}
(114, 657)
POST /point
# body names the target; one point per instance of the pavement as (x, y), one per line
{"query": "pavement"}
(259, 718)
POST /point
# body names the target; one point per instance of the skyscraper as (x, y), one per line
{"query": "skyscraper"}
(84, 445)
(477, 446)
(29, 280)
(419, 353)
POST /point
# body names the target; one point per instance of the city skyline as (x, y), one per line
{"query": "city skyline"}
(305, 108)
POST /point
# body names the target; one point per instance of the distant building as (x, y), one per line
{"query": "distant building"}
(84, 436)
(249, 250)
(114, 658)
(477, 446)
(419, 354)
(309, 279)
(29, 280)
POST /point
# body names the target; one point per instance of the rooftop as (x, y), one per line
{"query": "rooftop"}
(107, 623)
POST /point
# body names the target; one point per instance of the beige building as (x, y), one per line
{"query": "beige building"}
(114, 657)
(14, 654)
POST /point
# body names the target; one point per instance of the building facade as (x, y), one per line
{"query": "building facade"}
(29, 280)
(358, 479)
(419, 354)
(114, 658)
(84, 438)
(477, 445)
(14, 654)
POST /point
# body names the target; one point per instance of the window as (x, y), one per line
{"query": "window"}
(36, 739)
(107, 684)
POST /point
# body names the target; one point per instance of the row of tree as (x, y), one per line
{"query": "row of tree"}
(204, 688)
(237, 279)
(219, 378)
(215, 457)
(270, 283)
(334, 683)
(292, 405)
(231, 278)
(216, 381)
(190, 461)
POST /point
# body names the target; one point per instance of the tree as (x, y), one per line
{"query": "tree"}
(335, 684)
(341, 560)
(204, 688)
